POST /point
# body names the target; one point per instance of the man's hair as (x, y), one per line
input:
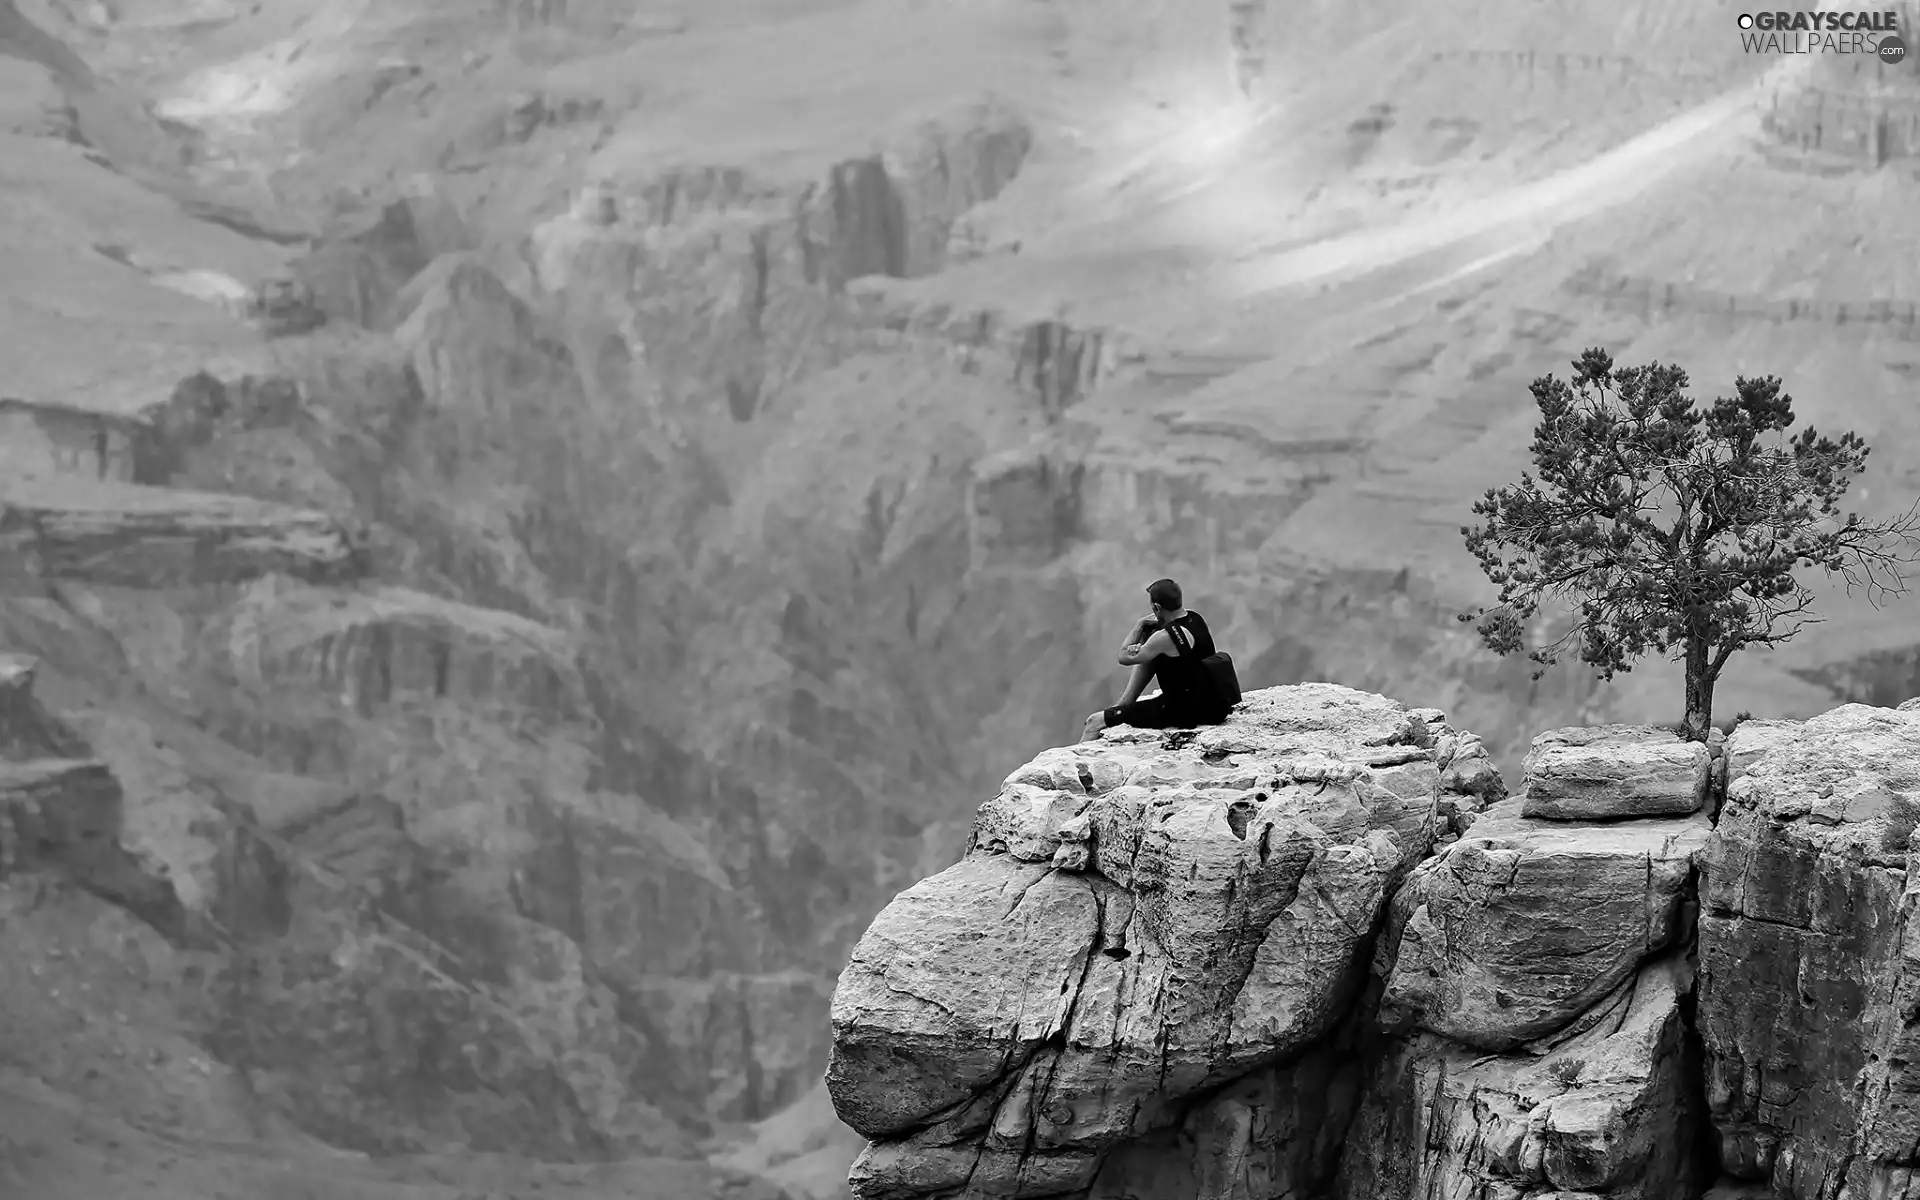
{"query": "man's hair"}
(1164, 592)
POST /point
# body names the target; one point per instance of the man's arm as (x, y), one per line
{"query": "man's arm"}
(1135, 637)
(1145, 652)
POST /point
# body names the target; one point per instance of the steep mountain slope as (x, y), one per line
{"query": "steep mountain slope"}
(699, 447)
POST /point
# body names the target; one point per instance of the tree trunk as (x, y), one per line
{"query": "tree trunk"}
(1700, 683)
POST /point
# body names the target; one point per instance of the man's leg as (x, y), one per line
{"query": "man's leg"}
(1152, 713)
(1137, 682)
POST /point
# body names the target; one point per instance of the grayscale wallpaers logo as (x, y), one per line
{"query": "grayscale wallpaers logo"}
(1873, 33)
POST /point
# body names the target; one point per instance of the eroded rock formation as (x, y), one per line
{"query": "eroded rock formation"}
(368, 734)
(1137, 923)
(1315, 954)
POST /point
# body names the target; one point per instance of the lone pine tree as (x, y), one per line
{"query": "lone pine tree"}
(1674, 528)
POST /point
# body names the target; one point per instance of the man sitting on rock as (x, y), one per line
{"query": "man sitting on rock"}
(1166, 646)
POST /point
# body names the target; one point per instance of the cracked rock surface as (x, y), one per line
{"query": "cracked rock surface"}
(1600, 1108)
(1137, 921)
(1808, 991)
(1523, 924)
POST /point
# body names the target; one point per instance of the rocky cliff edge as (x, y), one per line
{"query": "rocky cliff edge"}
(1138, 923)
(1317, 952)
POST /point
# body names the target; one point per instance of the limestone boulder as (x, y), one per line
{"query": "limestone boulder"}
(1604, 1108)
(1510, 933)
(1614, 772)
(1808, 990)
(1137, 920)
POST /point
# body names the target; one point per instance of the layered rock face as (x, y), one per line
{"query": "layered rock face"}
(1312, 953)
(1808, 995)
(406, 619)
(379, 637)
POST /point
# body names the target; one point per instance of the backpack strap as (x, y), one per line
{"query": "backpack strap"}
(1178, 634)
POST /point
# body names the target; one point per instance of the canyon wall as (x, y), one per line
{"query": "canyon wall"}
(508, 689)
(605, 609)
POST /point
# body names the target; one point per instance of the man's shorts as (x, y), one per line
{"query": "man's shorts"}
(1155, 712)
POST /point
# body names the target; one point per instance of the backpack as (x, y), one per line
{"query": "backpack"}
(1216, 670)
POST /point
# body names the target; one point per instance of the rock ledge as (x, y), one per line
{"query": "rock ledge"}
(1137, 921)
